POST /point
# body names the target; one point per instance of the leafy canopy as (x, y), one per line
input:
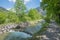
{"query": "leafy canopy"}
(52, 8)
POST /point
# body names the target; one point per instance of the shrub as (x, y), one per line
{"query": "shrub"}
(12, 17)
(2, 17)
(24, 17)
(34, 14)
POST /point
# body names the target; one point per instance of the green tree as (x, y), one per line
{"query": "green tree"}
(3, 17)
(19, 7)
(12, 17)
(24, 17)
(53, 9)
(34, 14)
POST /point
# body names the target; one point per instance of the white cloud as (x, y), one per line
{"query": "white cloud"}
(8, 8)
(12, 0)
(40, 0)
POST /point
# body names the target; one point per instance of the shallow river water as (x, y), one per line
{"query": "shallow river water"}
(28, 32)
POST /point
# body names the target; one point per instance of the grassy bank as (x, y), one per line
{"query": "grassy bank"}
(2, 36)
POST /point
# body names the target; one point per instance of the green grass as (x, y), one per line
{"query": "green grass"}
(2, 36)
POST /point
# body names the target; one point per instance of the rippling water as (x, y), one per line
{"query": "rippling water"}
(18, 36)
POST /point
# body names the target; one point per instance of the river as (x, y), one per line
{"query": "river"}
(27, 33)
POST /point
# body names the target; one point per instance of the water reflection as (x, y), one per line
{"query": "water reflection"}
(18, 36)
(34, 29)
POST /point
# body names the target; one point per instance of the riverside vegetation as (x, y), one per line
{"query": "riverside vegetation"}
(22, 18)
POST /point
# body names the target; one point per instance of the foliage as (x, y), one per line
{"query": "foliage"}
(2, 17)
(19, 7)
(24, 17)
(12, 17)
(8, 17)
(53, 8)
(2, 36)
(20, 10)
(44, 28)
(34, 38)
(34, 14)
(47, 19)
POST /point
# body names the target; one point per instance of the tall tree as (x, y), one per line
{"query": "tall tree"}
(19, 7)
(53, 9)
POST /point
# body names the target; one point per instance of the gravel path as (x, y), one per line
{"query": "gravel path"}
(52, 33)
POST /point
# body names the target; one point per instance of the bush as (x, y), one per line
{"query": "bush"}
(34, 14)
(12, 17)
(2, 17)
(24, 17)
(57, 20)
(47, 19)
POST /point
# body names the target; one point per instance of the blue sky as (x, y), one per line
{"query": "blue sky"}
(10, 3)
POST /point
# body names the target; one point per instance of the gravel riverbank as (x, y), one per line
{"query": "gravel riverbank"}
(9, 27)
(52, 32)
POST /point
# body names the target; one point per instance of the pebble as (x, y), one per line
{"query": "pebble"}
(8, 27)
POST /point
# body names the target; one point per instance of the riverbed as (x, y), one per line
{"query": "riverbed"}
(27, 32)
(24, 35)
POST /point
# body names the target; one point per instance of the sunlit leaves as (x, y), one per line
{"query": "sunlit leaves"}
(19, 7)
(2, 17)
(34, 14)
(53, 7)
